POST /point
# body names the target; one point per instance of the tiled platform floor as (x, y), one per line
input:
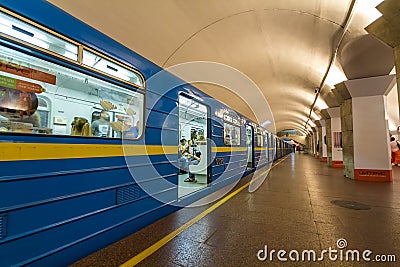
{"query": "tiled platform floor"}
(292, 210)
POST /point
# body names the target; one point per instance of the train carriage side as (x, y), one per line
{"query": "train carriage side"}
(282, 147)
(76, 190)
(276, 146)
(228, 158)
(65, 192)
(77, 193)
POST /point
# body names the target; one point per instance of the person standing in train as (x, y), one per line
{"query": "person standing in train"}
(193, 137)
(133, 131)
(183, 150)
(394, 146)
(101, 127)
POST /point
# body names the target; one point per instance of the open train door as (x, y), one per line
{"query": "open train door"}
(250, 146)
(193, 154)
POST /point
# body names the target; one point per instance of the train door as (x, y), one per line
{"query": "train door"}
(271, 148)
(249, 143)
(193, 151)
(266, 146)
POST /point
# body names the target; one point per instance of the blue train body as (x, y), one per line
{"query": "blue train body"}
(64, 197)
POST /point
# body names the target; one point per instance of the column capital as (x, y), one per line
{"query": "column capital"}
(325, 114)
(333, 112)
(372, 86)
(341, 92)
(316, 122)
(331, 100)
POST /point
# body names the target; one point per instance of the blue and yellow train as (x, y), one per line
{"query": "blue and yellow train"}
(89, 151)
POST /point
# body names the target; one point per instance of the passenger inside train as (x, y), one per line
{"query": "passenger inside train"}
(101, 126)
(192, 151)
(130, 130)
(80, 127)
(188, 155)
(182, 150)
(231, 131)
(192, 159)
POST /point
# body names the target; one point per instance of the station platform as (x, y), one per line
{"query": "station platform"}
(296, 208)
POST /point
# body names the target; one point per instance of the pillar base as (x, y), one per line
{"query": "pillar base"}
(337, 164)
(373, 175)
(324, 159)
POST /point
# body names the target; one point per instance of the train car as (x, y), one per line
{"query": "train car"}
(89, 149)
(282, 148)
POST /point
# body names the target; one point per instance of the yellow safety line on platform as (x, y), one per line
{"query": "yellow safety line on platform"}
(153, 248)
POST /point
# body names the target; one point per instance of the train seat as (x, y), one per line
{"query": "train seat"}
(200, 170)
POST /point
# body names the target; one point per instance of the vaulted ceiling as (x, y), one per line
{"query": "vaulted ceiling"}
(286, 47)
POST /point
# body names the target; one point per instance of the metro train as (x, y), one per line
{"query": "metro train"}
(75, 175)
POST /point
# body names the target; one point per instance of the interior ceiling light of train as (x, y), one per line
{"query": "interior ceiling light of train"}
(295, 51)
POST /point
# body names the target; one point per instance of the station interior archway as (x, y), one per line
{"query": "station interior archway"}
(295, 51)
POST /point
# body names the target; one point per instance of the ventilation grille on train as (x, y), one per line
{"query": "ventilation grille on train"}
(127, 194)
(3, 226)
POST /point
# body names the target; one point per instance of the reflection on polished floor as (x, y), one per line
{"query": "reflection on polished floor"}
(292, 210)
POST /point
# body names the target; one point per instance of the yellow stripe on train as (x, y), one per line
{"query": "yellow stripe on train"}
(36, 151)
(228, 149)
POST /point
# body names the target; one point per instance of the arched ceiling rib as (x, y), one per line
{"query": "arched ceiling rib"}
(243, 12)
(283, 46)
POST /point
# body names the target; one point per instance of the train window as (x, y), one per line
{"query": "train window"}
(249, 144)
(260, 138)
(231, 130)
(231, 134)
(271, 141)
(37, 96)
(44, 111)
(100, 63)
(15, 29)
